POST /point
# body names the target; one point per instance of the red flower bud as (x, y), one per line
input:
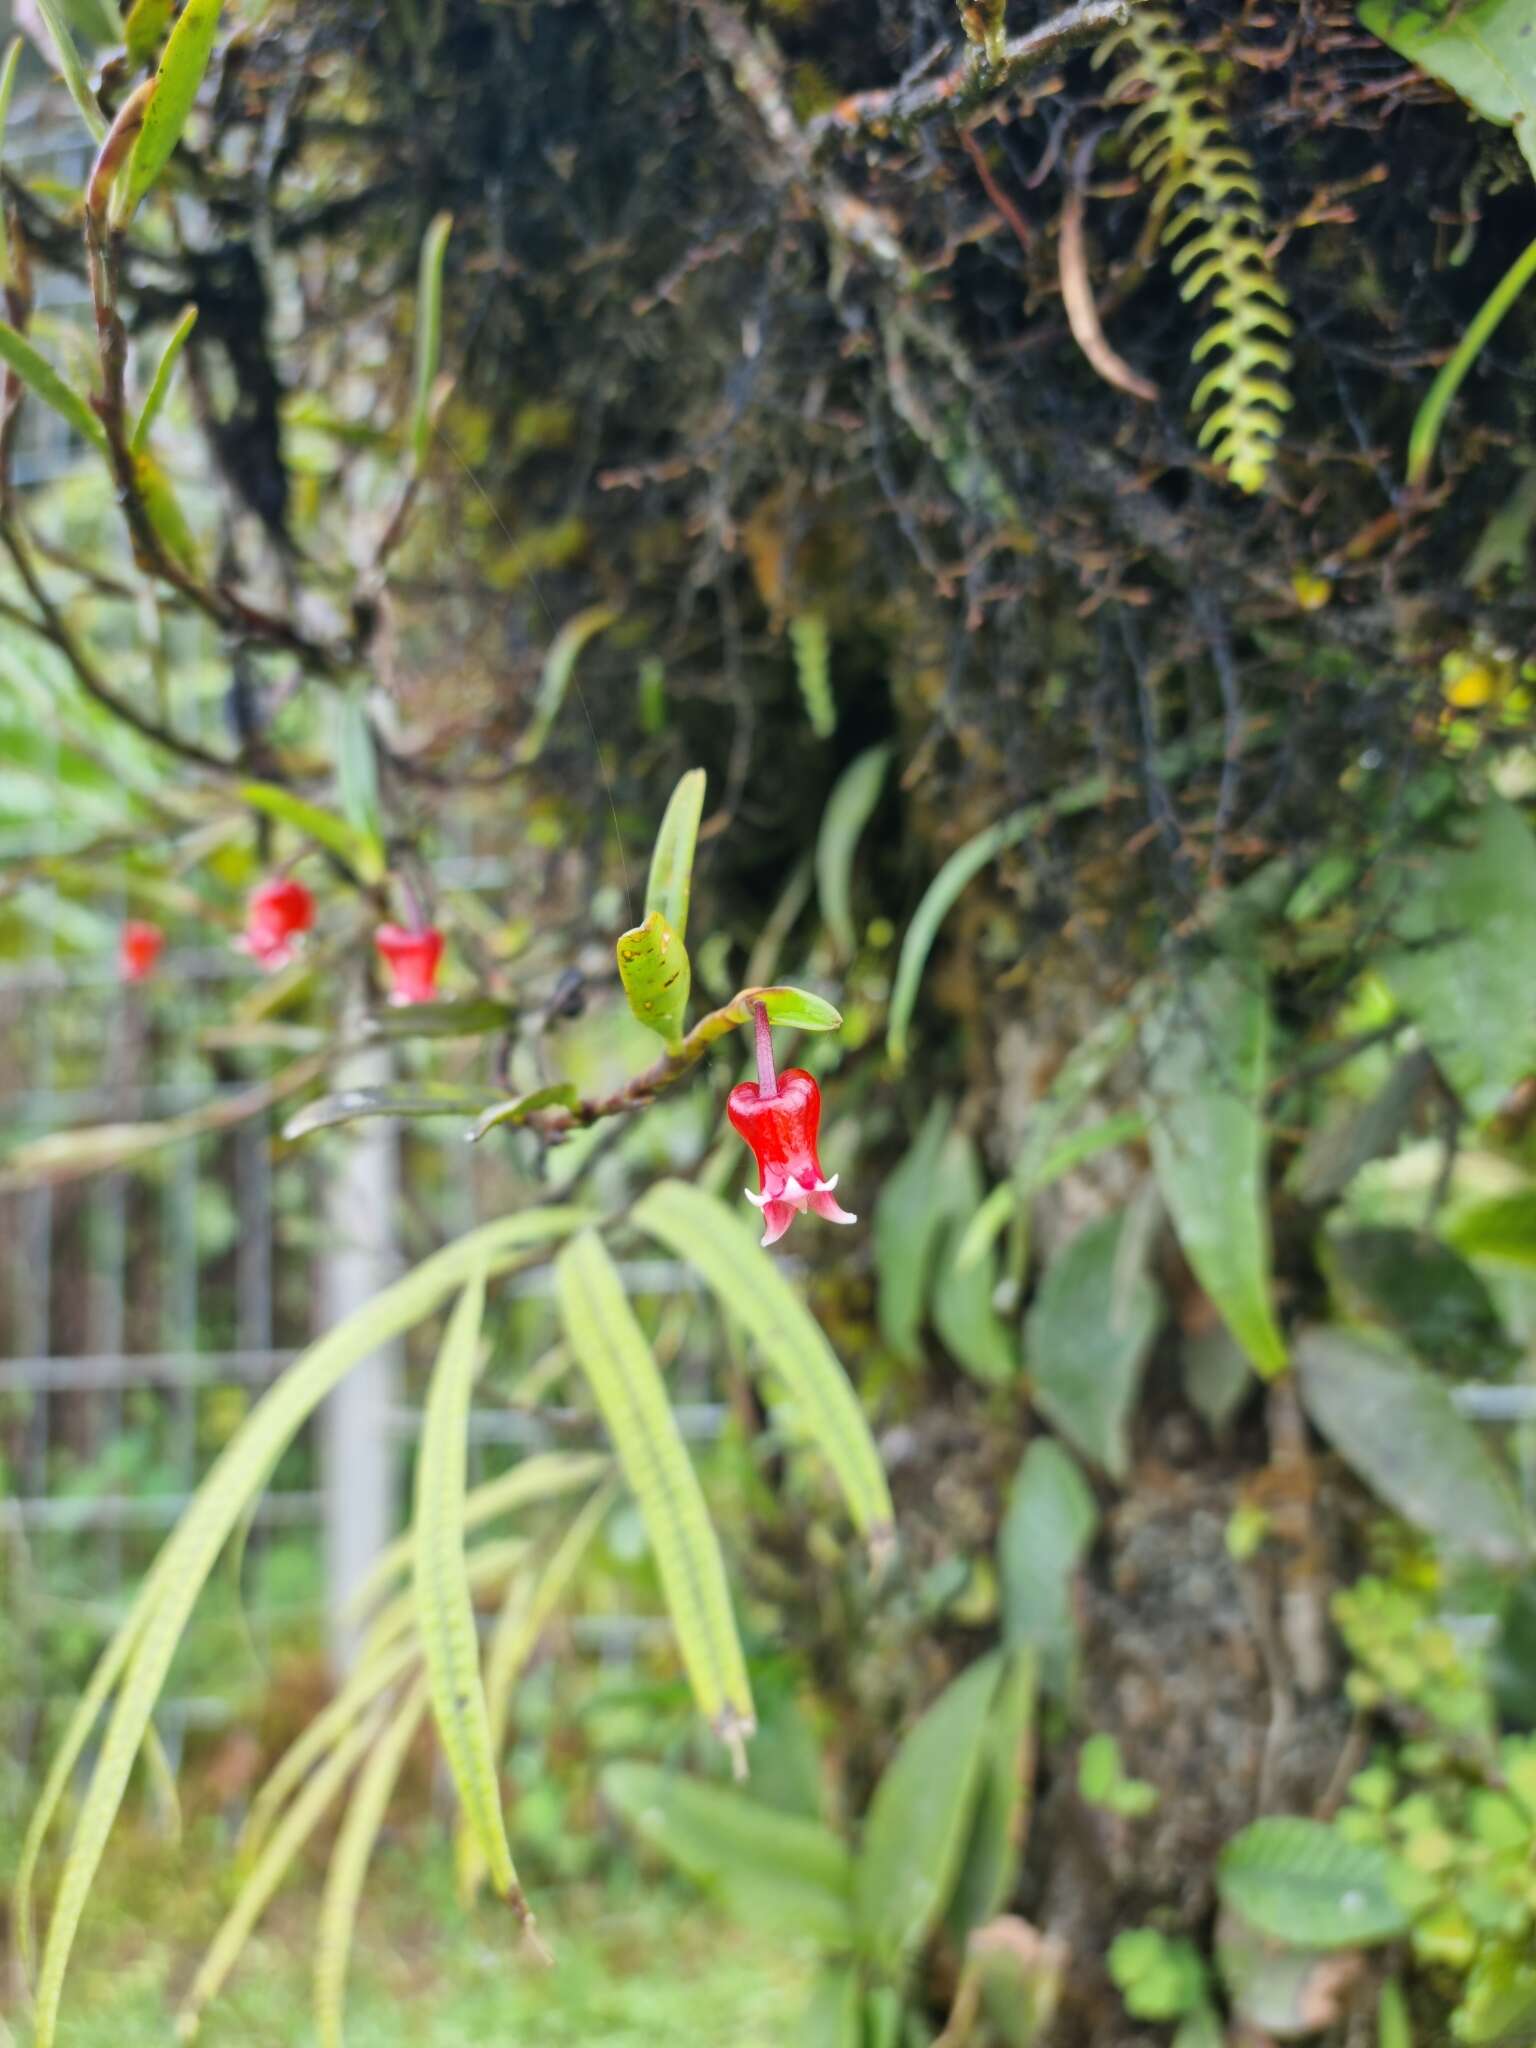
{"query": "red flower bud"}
(412, 959)
(138, 948)
(275, 916)
(781, 1129)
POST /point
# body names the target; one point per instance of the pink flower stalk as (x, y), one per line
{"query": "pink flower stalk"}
(412, 960)
(779, 1117)
(139, 946)
(276, 917)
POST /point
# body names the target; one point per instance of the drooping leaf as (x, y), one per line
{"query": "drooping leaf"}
(657, 976)
(177, 78)
(920, 1820)
(989, 1864)
(1086, 1339)
(1208, 1059)
(559, 1095)
(559, 667)
(70, 67)
(909, 1221)
(429, 335)
(1302, 1882)
(160, 383)
(750, 1287)
(44, 381)
(849, 808)
(670, 883)
(348, 1866)
(1480, 49)
(1397, 1425)
(398, 1099)
(1468, 958)
(146, 1641)
(318, 824)
(773, 1870)
(792, 1009)
(1050, 1522)
(470, 1017)
(611, 1349)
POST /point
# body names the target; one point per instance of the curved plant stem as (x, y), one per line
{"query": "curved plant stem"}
(1431, 414)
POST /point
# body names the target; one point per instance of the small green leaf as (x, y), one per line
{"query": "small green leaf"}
(1480, 49)
(813, 671)
(469, 1017)
(401, 1100)
(322, 826)
(429, 335)
(70, 67)
(182, 65)
(44, 381)
(146, 24)
(163, 509)
(1050, 1521)
(1504, 1228)
(777, 1871)
(1086, 1339)
(671, 878)
(1301, 1882)
(920, 1819)
(559, 667)
(848, 811)
(160, 383)
(559, 1095)
(1208, 1057)
(792, 1009)
(357, 771)
(1397, 1425)
(657, 976)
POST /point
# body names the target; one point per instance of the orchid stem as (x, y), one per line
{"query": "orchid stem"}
(767, 1079)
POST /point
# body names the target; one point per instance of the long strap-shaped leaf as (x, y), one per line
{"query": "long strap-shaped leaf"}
(445, 1606)
(611, 1350)
(349, 1866)
(178, 1574)
(269, 1870)
(701, 1229)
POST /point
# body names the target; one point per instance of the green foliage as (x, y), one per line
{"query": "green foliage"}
(558, 672)
(670, 883)
(1159, 1979)
(429, 337)
(1304, 1883)
(39, 375)
(848, 810)
(1102, 1781)
(657, 976)
(1184, 151)
(1480, 50)
(813, 671)
(1049, 1523)
(183, 62)
(1086, 1339)
(923, 1213)
(70, 67)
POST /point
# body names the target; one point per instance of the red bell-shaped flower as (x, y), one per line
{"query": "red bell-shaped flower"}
(139, 946)
(278, 913)
(781, 1129)
(412, 960)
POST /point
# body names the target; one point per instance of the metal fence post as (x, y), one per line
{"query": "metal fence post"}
(360, 1258)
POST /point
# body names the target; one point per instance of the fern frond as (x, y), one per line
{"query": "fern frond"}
(1181, 148)
(813, 668)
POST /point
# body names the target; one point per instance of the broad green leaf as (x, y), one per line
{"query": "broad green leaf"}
(160, 383)
(70, 68)
(1397, 1425)
(1050, 1521)
(1481, 49)
(348, 1866)
(268, 1872)
(989, 1866)
(1208, 1057)
(1424, 1293)
(429, 335)
(182, 64)
(967, 1324)
(773, 1870)
(357, 770)
(1301, 1882)
(1504, 1228)
(146, 1641)
(44, 381)
(849, 808)
(920, 1820)
(792, 1009)
(1468, 965)
(444, 1604)
(1086, 1339)
(320, 825)
(750, 1287)
(909, 1221)
(558, 1095)
(835, 2016)
(657, 976)
(399, 1099)
(670, 883)
(610, 1347)
(559, 667)
(146, 23)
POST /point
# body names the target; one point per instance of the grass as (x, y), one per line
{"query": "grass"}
(635, 1963)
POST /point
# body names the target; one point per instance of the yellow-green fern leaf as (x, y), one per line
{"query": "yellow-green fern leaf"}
(701, 1229)
(348, 1866)
(813, 668)
(611, 1349)
(445, 1606)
